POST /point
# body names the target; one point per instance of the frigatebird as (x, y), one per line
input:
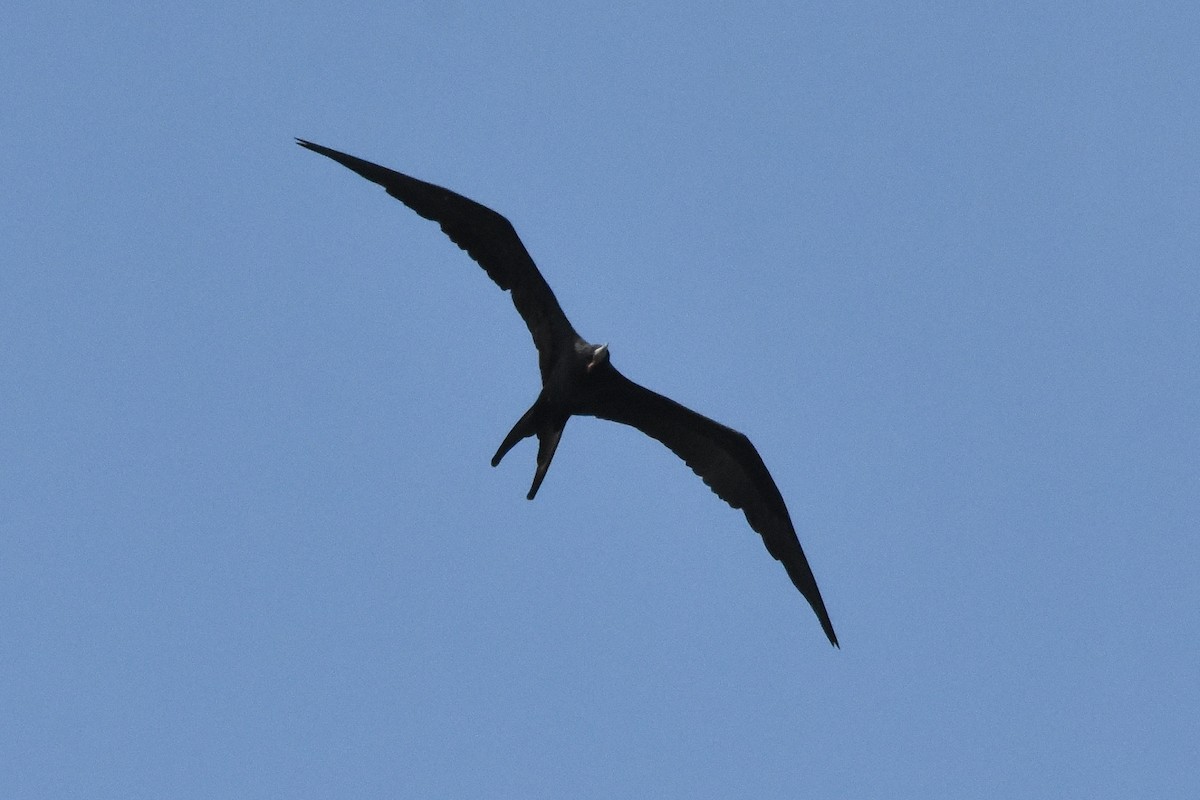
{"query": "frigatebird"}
(579, 379)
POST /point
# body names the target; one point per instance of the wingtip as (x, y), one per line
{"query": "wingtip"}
(827, 626)
(318, 148)
(818, 606)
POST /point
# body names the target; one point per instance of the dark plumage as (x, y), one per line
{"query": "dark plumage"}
(577, 377)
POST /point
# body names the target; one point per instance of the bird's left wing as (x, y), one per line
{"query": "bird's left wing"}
(725, 460)
(488, 237)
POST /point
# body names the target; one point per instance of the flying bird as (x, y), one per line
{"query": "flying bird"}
(578, 377)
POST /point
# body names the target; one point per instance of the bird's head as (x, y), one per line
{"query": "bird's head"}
(599, 357)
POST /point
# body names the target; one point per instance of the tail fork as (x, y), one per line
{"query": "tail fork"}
(534, 422)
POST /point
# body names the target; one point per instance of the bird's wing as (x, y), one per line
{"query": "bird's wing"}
(488, 238)
(725, 460)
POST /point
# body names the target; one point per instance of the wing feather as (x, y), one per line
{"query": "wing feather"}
(488, 237)
(726, 461)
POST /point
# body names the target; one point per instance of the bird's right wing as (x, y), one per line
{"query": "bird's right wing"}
(488, 238)
(725, 460)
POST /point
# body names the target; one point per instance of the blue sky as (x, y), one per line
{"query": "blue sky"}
(939, 261)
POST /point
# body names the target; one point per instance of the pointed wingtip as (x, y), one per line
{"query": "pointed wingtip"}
(810, 592)
(827, 626)
(320, 148)
(802, 579)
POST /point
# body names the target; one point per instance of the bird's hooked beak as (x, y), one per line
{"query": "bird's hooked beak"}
(599, 356)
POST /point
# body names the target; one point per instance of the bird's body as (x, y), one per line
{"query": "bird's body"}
(579, 379)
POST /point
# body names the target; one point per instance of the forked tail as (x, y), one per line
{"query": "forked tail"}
(548, 427)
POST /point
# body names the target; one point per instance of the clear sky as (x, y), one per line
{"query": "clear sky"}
(939, 261)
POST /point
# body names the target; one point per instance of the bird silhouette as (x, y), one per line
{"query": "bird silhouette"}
(578, 377)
